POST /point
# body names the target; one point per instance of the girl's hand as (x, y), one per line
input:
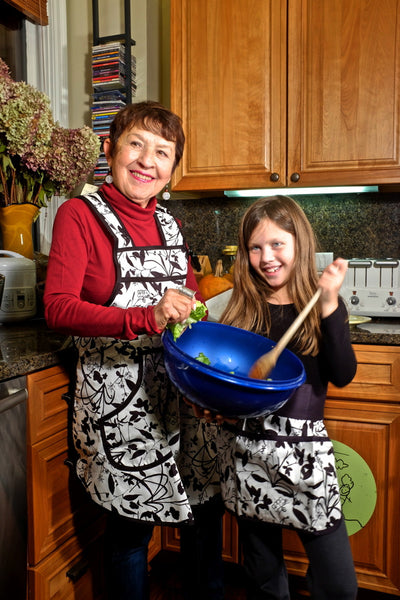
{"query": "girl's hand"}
(330, 283)
(173, 307)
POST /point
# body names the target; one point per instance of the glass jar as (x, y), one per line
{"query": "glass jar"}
(228, 258)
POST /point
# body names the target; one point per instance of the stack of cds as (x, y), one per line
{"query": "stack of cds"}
(109, 93)
(104, 108)
(108, 66)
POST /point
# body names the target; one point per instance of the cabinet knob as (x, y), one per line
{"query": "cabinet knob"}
(295, 177)
(274, 177)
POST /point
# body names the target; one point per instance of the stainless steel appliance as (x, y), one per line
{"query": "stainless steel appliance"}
(13, 510)
(372, 287)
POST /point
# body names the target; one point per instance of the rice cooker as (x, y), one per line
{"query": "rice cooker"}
(19, 291)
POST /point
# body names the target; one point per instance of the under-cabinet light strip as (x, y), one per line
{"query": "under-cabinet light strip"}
(354, 189)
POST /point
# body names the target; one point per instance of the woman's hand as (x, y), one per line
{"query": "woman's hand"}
(174, 307)
(210, 417)
(330, 283)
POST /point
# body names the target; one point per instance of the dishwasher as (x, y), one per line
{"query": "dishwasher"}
(13, 505)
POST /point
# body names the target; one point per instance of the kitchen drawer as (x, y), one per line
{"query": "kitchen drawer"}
(72, 572)
(57, 502)
(47, 410)
(377, 377)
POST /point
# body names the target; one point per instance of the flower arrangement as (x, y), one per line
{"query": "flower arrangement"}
(38, 157)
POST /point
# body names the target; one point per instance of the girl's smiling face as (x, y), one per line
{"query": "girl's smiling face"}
(272, 255)
(142, 164)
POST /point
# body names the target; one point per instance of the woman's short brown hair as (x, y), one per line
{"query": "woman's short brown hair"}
(153, 117)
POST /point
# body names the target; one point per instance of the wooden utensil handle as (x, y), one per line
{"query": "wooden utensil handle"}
(287, 336)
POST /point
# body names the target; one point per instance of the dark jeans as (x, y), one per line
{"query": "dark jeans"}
(125, 557)
(201, 553)
(331, 574)
(126, 544)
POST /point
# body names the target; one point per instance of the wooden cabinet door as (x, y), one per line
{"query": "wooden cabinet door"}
(58, 505)
(47, 410)
(377, 378)
(155, 543)
(228, 83)
(297, 93)
(375, 436)
(73, 572)
(343, 92)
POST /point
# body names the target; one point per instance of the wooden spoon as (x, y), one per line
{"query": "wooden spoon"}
(264, 365)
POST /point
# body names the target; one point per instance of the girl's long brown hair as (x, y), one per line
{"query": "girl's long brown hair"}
(248, 305)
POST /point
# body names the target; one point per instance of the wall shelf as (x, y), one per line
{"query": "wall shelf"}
(124, 37)
(113, 79)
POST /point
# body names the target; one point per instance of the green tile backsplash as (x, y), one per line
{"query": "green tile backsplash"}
(349, 225)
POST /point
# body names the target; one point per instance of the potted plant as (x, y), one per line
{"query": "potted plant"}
(38, 157)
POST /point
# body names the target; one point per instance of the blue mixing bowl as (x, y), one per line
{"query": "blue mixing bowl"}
(224, 387)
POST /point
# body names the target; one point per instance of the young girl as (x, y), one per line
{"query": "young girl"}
(279, 470)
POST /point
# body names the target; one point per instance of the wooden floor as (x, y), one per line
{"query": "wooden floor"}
(165, 583)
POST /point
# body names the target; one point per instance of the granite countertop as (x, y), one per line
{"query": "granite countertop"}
(30, 346)
(376, 339)
(382, 332)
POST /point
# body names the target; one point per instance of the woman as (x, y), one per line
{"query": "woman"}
(279, 470)
(117, 263)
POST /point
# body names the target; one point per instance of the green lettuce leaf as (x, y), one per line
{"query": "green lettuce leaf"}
(196, 314)
(201, 357)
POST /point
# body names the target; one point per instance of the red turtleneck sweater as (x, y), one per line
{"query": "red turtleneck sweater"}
(81, 272)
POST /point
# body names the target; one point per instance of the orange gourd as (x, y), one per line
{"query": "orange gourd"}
(215, 283)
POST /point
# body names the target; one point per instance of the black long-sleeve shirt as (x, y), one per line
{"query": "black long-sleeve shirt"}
(335, 363)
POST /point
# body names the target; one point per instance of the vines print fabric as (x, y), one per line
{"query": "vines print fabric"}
(126, 413)
(281, 470)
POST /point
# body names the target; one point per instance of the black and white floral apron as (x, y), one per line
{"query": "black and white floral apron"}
(280, 470)
(126, 414)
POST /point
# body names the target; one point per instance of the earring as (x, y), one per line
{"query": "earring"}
(109, 177)
(166, 195)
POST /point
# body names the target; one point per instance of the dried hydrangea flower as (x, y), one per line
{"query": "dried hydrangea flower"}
(38, 157)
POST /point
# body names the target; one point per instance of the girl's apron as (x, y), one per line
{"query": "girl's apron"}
(126, 412)
(281, 470)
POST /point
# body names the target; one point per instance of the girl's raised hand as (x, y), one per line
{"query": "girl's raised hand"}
(330, 283)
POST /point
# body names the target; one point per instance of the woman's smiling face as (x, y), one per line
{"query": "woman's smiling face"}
(142, 164)
(272, 253)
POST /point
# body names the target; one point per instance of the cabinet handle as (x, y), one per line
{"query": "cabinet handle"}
(274, 177)
(295, 177)
(67, 397)
(68, 462)
(76, 571)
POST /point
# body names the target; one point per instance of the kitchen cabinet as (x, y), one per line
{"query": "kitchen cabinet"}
(65, 528)
(36, 10)
(365, 415)
(275, 94)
